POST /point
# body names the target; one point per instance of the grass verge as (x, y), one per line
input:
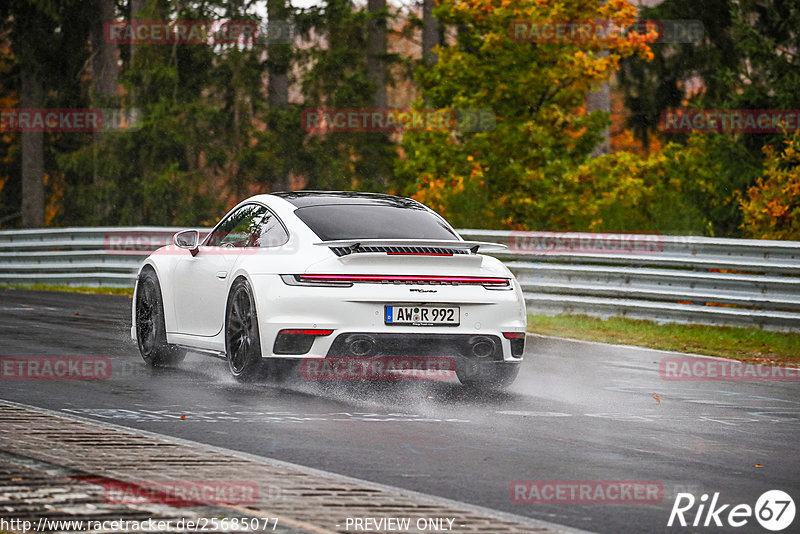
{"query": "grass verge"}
(747, 344)
(128, 291)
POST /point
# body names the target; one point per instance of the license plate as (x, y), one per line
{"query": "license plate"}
(422, 315)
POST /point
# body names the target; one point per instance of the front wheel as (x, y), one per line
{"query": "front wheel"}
(151, 332)
(242, 341)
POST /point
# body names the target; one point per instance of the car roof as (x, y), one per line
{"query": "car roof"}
(302, 199)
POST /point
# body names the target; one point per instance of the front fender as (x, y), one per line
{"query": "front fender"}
(162, 266)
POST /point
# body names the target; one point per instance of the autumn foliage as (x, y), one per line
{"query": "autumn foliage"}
(512, 175)
(772, 206)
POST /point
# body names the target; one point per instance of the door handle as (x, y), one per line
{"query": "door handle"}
(222, 275)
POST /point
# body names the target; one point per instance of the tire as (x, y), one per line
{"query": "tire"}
(486, 376)
(242, 340)
(151, 332)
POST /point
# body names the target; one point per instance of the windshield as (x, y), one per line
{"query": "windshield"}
(369, 221)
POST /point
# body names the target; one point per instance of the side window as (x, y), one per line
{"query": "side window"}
(271, 232)
(237, 229)
(251, 225)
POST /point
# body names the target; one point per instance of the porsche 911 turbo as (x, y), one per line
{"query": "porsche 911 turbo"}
(321, 274)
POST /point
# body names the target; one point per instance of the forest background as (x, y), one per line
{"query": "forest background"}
(192, 128)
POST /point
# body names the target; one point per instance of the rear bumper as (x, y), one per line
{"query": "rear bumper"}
(357, 312)
(480, 347)
(483, 347)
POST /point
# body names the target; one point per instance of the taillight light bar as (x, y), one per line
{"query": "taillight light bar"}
(347, 280)
(380, 278)
(418, 254)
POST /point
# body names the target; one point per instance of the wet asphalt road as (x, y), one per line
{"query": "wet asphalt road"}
(578, 411)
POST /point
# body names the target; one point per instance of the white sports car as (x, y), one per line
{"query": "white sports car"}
(315, 274)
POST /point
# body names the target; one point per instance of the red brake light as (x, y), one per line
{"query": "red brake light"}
(514, 335)
(305, 332)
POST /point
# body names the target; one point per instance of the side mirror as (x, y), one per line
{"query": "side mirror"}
(188, 239)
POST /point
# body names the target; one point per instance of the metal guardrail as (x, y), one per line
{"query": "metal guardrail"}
(663, 278)
(99, 256)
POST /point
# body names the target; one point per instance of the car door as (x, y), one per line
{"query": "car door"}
(202, 281)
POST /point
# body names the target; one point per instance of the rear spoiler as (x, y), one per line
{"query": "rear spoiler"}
(472, 246)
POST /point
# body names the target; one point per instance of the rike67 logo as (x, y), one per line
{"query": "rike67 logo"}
(774, 510)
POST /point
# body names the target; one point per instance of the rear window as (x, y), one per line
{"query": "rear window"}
(369, 221)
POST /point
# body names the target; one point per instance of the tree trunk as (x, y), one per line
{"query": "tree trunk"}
(279, 49)
(376, 50)
(600, 101)
(32, 157)
(430, 32)
(105, 82)
(105, 71)
(136, 7)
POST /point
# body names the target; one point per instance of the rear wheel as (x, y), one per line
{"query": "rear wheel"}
(493, 376)
(242, 341)
(151, 332)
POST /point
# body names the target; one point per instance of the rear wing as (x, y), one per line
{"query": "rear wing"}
(411, 246)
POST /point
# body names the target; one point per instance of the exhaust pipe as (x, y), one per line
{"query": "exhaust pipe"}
(482, 347)
(360, 346)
